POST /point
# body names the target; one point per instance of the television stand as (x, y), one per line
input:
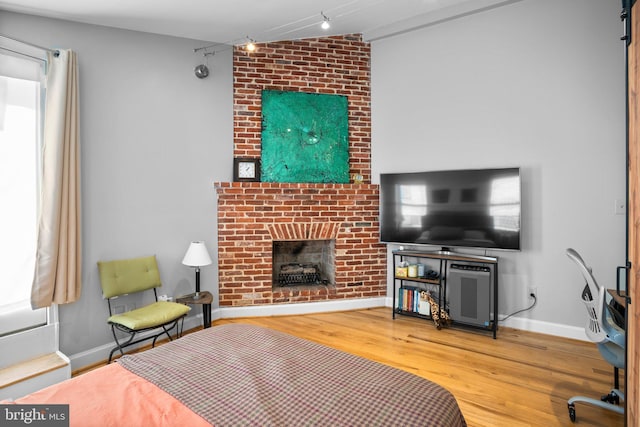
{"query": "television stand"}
(466, 286)
(444, 251)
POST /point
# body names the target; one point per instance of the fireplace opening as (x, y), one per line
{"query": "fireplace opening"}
(303, 263)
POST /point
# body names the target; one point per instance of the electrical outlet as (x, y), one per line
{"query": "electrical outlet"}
(534, 292)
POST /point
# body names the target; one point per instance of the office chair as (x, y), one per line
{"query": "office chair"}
(602, 330)
(130, 276)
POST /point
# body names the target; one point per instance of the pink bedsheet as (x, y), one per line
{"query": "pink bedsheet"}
(112, 396)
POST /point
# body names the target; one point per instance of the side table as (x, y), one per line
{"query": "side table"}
(205, 300)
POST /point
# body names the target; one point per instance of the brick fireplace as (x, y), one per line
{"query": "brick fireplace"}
(252, 216)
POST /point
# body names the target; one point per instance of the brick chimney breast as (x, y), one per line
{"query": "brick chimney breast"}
(251, 216)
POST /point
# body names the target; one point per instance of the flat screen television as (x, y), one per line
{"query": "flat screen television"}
(476, 208)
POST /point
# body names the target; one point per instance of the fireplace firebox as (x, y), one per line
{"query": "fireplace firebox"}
(303, 263)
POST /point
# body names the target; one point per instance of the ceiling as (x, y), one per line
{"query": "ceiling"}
(233, 21)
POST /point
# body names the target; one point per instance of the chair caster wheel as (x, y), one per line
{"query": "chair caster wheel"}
(611, 398)
(572, 412)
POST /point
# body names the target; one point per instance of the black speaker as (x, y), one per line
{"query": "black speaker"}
(469, 288)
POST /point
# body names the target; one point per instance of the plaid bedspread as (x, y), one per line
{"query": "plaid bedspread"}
(251, 376)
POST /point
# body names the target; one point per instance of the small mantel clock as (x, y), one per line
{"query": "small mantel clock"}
(246, 169)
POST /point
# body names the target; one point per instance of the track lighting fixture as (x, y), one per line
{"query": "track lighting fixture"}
(198, 49)
(248, 44)
(325, 22)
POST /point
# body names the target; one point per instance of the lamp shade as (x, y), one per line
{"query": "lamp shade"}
(197, 255)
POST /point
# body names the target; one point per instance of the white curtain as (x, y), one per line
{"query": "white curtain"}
(58, 271)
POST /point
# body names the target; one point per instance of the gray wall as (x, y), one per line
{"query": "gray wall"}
(154, 138)
(537, 84)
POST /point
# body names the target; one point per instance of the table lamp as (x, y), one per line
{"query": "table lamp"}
(197, 256)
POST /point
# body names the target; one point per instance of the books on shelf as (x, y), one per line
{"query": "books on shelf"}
(409, 299)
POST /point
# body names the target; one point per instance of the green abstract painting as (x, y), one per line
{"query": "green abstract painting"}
(305, 137)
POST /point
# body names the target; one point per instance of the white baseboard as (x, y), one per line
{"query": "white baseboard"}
(547, 328)
(100, 354)
(537, 326)
(297, 308)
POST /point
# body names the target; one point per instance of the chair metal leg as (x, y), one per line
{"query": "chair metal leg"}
(118, 345)
(166, 330)
(595, 402)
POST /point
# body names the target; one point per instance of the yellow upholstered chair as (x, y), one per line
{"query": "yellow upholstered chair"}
(129, 276)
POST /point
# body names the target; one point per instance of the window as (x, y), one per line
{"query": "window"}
(20, 142)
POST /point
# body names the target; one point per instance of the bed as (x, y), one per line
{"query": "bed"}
(239, 374)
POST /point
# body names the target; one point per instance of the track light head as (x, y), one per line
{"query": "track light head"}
(201, 71)
(250, 45)
(325, 22)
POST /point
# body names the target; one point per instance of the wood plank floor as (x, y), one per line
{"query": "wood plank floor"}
(519, 379)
